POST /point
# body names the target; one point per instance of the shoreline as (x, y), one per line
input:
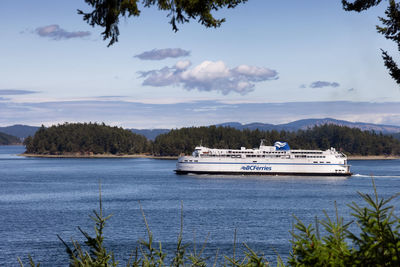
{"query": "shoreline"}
(135, 156)
(98, 156)
(372, 157)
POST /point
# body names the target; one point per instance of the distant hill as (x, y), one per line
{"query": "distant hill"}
(150, 134)
(309, 123)
(6, 139)
(21, 131)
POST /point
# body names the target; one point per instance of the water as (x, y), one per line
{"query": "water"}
(40, 198)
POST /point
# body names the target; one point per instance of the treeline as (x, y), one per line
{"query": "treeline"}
(6, 139)
(99, 139)
(85, 138)
(396, 135)
(349, 140)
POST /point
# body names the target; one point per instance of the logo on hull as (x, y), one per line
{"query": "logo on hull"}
(256, 168)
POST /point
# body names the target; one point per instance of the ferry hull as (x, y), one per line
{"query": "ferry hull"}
(264, 173)
(263, 168)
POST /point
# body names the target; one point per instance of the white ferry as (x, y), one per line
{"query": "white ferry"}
(268, 160)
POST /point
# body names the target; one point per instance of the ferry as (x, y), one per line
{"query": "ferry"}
(278, 159)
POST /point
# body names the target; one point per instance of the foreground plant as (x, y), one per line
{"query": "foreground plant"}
(376, 243)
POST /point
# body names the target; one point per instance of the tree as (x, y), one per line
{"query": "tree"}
(390, 28)
(106, 13)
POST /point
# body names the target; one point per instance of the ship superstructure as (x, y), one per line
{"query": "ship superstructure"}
(271, 160)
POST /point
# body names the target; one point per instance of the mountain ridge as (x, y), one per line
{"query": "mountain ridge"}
(23, 131)
(19, 130)
(309, 123)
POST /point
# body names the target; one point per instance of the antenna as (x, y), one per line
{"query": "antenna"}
(262, 142)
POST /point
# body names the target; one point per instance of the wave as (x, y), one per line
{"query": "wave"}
(376, 176)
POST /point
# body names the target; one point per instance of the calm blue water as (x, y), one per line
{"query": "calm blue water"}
(40, 198)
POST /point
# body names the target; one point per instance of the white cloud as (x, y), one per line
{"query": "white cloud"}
(210, 76)
(183, 64)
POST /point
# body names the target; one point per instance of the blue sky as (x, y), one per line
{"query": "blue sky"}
(288, 54)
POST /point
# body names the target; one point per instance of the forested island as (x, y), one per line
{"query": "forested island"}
(6, 139)
(88, 139)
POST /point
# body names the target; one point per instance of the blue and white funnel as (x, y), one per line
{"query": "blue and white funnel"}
(281, 146)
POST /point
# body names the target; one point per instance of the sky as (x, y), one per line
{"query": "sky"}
(271, 61)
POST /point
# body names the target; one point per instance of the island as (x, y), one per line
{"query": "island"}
(100, 140)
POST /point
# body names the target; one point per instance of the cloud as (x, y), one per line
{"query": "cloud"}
(110, 96)
(16, 92)
(209, 76)
(321, 84)
(160, 54)
(351, 90)
(56, 33)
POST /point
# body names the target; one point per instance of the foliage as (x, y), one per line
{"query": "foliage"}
(390, 28)
(309, 249)
(97, 254)
(379, 241)
(396, 136)
(376, 243)
(349, 140)
(85, 138)
(6, 139)
(106, 13)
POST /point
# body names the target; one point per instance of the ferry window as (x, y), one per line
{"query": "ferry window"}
(185, 160)
(328, 162)
(196, 161)
(254, 160)
(315, 162)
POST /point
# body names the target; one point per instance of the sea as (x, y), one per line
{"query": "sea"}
(43, 198)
